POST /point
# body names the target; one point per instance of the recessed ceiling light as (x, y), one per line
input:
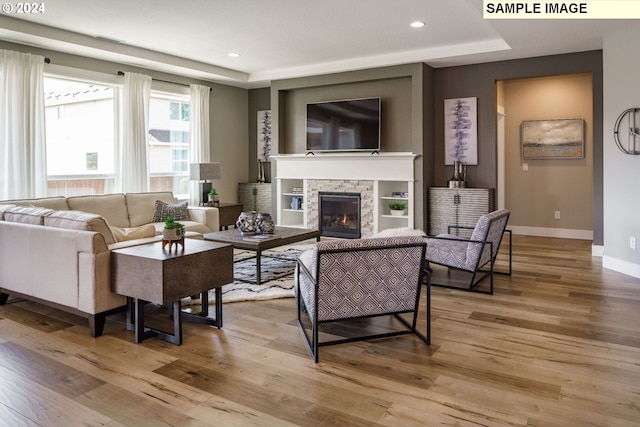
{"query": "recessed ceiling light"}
(234, 55)
(417, 24)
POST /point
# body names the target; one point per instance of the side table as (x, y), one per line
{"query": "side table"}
(229, 213)
(148, 273)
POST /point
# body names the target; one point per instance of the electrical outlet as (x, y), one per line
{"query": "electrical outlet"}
(632, 242)
(556, 215)
(525, 167)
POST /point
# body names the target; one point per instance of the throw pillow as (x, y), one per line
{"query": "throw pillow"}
(400, 232)
(27, 214)
(4, 208)
(78, 220)
(179, 211)
(141, 232)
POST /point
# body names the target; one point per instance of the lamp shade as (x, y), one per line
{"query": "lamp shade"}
(205, 171)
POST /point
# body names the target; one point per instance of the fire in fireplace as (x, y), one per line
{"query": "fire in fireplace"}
(339, 215)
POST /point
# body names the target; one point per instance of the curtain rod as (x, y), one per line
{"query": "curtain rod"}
(47, 60)
(121, 73)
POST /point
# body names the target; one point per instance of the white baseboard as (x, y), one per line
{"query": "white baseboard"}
(563, 233)
(608, 262)
(624, 267)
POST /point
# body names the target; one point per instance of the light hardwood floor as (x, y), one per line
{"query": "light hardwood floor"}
(558, 344)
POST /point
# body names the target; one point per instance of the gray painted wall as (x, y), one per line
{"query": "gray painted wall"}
(480, 81)
(406, 93)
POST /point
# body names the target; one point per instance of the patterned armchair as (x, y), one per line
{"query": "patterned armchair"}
(474, 253)
(357, 278)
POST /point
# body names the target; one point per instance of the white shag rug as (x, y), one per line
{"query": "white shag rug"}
(277, 266)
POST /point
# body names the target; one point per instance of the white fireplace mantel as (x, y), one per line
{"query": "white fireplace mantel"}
(376, 176)
(384, 166)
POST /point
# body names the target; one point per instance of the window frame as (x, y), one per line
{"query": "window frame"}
(173, 91)
(93, 77)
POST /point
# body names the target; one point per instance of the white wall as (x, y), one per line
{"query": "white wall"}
(621, 172)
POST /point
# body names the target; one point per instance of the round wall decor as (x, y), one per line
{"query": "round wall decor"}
(626, 132)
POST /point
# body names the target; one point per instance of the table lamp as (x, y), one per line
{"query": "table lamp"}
(205, 173)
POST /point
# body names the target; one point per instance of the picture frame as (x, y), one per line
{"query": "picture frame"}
(461, 131)
(552, 139)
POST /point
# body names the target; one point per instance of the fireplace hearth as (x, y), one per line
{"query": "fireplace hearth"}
(339, 215)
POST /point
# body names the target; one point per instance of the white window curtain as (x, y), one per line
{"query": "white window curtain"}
(199, 144)
(23, 164)
(135, 161)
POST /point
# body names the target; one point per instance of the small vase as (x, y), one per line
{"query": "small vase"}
(246, 222)
(264, 224)
(397, 213)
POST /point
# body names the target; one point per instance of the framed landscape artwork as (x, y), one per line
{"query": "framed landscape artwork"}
(553, 139)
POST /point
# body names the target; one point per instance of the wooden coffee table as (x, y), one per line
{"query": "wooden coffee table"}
(281, 236)
(149, 273)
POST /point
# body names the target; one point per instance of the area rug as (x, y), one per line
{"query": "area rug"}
(276, 276)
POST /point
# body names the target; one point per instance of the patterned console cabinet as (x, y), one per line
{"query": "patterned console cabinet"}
(255, 196)
(457, 206)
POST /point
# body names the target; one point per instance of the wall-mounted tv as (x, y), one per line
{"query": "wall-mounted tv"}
(348, 125)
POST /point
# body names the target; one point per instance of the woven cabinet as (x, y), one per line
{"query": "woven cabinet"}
(458, 207)
(255, 196)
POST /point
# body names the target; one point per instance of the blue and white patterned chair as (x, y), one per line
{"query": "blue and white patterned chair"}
(474, 253)
(357, 278)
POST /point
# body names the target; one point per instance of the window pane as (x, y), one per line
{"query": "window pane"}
(80, 133)
(169, 144)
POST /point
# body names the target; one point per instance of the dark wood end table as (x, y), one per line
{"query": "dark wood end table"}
(281, 236)
(229, 213)
(148, 273)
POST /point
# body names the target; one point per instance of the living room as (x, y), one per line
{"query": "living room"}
(600, 211)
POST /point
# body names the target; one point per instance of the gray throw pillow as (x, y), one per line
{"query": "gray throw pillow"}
(179, 211)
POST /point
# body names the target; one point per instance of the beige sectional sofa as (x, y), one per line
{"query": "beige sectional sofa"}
(57, 250)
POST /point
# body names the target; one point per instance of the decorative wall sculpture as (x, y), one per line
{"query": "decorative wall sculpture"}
(264, 135)
(461, 131)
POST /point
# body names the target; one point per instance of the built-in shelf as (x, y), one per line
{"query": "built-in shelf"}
(289, 216)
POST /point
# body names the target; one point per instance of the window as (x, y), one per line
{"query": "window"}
(179, 111)
(81, 136)
(82, 131)
(169, 143)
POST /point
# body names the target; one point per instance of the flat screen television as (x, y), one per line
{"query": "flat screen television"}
(348, 125)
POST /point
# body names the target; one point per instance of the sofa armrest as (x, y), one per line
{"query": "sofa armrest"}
(63, 266)
(206, 215)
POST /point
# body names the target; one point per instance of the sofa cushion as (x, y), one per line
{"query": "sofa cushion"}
(112, 207)
(55, 203)
(142, 206)
(77, 220)
(178, 211)
(3, 208)
(27, 215)
(141, 232)
(195, 226)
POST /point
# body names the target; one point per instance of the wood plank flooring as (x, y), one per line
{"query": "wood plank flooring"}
(558, 344)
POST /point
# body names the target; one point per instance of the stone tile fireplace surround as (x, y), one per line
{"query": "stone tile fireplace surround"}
(375, 177)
